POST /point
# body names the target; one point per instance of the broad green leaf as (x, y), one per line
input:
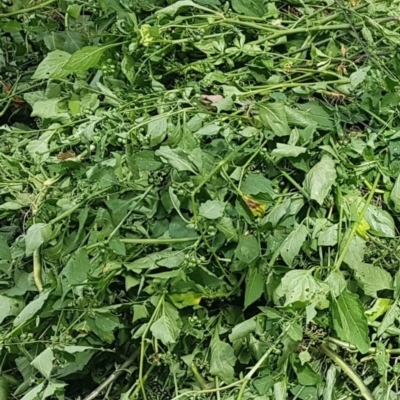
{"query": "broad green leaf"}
(175, 202)
(222, 360)
(256, 183)
(251, 8)
(174, 8)
(9, 307)
(38, 149)
(36, 235)
(34, 393)
(255, 284)
(380, 221)
(280, 391)
(84, 59)
(336, 282)
(5, 251)
(350, 322)
(32, 308)
(52, 66)
(175, 157)
(390, 317)
(77, 268)
(299, 118)
(298, 286)
(320, 114)
(44, 362)
(208, 130)
(167, 327)
(328, 236)
(355, 253)
(320, 178)
(372, 279)
(358, 77)
(248, 249)
(395, 195)
(225, 226)
(243, 329)
(128, 67)
(292, 244)
(166, 258)
(212, 209)
(273, 117)
(288, 150)
(157, 130)
(139, 312)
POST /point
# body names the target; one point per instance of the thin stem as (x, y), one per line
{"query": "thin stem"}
(143, 344)
(113, 377)
(348, 371)
(357, 223)
(29, 9)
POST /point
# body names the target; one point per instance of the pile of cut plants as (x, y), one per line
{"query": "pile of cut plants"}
(199, 199)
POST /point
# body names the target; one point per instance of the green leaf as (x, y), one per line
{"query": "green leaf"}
(395, 195)
(208, 130)
(34, 393)
(225, 226)
(5, 251)
(298, 286)
(174, 8)
(128, 67)
(256, 183)
(38, 149)
(336, 282)
(176, 158)
(292, 244)
(212, 209)
(167, 327)
(36, 235)
(350, 322)
(77, 268)
(273, 117)
(85, 58)
(44, 362)
(320, 178)
(243, 329)
(222, 360)
(380, 221)
(52, 66)
(255, 283)
(9, 307)
(287, 150)
(32, 308)
(251, 8)
(372, 279)
(358, 77)
(390, 317)
(157, 130)
(248, 249)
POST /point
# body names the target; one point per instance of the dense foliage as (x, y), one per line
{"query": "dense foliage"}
(199, 199)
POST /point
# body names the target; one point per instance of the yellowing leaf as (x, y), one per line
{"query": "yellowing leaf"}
(186, 299)
(378, 309)
(362, 228)
(257, 208)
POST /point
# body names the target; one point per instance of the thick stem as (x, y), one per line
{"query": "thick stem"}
(37, 270)
(348, 371)
(113, 377)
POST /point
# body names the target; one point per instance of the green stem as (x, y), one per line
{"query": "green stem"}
(348, 371)
(143, 344)
(37, 270)
(357, 223)
(29, 9)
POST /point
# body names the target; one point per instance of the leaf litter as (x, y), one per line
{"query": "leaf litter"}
(199, 200)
